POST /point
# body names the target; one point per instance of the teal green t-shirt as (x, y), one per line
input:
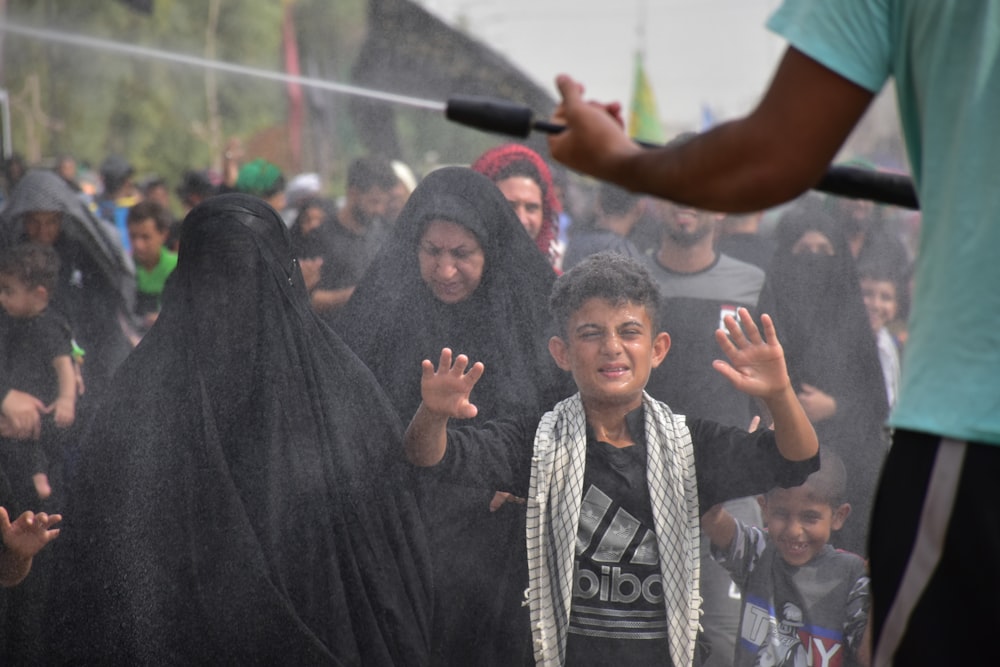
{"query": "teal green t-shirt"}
(152, 281)
(945, 58)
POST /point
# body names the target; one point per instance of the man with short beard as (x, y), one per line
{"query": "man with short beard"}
(699, 286)
(355, 234)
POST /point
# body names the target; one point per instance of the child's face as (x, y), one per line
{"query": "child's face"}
(43, 226)
(147, 242)
(799, 524)
(880, 301)
(19, 300)
(611, 350)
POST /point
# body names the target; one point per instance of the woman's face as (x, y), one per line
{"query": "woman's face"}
(525, 197)
(813, 243)
(43, 226)
(451, 260)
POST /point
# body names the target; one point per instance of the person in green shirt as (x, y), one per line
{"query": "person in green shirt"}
(148, 227)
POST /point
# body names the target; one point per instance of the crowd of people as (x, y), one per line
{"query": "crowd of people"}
(259, 360)
(457, 419)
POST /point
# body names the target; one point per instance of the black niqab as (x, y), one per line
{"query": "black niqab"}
(240, 497)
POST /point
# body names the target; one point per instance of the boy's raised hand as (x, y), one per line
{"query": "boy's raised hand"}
(445, 390)
(756, 363)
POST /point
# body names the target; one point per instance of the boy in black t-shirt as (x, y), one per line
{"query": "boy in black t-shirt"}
(614, 479)
(37, 357)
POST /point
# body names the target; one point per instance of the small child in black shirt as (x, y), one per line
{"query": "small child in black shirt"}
(37, 356)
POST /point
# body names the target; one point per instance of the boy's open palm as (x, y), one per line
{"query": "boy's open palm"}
(756, 363)
(445, 390)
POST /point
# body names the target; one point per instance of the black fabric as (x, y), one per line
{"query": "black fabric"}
(393, 321)
(241, 498)
(828, 342)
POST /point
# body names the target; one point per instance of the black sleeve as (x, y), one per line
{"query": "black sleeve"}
(496, 455)
(54, 337)
(732, 463)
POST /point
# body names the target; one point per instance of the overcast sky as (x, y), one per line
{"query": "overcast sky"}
(697, 52)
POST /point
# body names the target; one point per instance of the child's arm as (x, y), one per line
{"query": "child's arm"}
(757, 367)
(720, 526)
(22, 540)
(445, 393)
(65, 406)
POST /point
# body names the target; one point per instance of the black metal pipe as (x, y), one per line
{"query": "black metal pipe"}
(503, 117)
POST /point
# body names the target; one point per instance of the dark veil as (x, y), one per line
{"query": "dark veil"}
(240, 497)
(393, 321)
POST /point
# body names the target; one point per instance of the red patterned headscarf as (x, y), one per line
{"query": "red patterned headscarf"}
(517, 160)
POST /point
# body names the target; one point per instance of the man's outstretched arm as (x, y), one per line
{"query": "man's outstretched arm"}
(782, 148)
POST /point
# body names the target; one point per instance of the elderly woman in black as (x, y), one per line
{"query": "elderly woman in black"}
(460, 271)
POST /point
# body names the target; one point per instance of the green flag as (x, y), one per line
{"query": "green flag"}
(644, 120)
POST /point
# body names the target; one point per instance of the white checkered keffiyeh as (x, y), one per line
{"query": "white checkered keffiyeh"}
(554, 502)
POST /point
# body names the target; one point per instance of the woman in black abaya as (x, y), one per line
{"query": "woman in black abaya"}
(239, 497)
(409, 305)
(832, 355)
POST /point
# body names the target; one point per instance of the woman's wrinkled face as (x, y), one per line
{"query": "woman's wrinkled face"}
(451, 260)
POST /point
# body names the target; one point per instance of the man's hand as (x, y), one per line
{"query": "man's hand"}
(445, 390)
(22, 416)
(594, 141)
(756, 363)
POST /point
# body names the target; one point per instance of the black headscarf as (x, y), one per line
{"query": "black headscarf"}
(393, 321)
(240, 498)
(821, 320)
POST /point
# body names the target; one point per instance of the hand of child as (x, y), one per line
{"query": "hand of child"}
(29, 533)
(756, 363)
(445, 390)
(64, 410)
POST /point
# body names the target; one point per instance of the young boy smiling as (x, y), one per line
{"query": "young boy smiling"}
(804, 602)
(614, 479)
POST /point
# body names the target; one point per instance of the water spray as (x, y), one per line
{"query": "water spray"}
(482, 113)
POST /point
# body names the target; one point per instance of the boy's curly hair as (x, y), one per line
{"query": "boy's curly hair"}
(606, 275)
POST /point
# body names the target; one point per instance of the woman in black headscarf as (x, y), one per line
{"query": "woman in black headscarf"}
(239, 498)
(832, 355)
(460, 271)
